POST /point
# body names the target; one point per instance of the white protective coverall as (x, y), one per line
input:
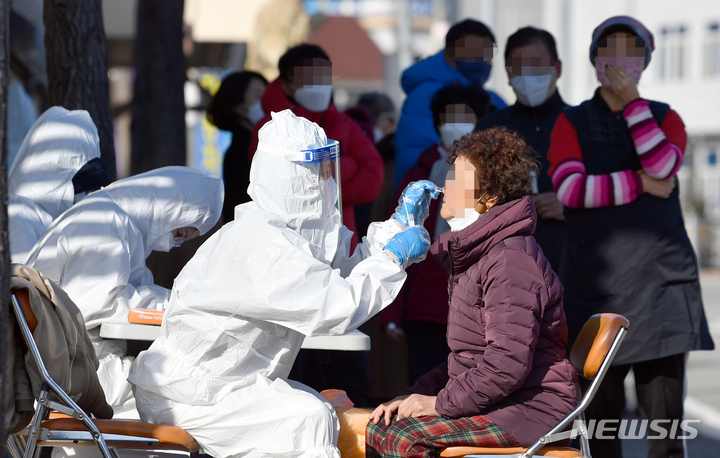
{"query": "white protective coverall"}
(96, 252)
(241, 307)
(40, 184)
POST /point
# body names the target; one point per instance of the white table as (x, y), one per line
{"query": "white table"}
(354, 341)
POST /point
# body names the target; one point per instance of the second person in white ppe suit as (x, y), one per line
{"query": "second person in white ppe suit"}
(241, 307)
(57, 164)
(96, 252)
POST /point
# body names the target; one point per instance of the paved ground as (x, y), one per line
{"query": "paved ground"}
(703, 386)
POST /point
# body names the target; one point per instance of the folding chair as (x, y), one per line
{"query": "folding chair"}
(591, 356)
(75, 428)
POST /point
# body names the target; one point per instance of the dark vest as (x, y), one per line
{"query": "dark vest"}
(534, 124)
(634, 259)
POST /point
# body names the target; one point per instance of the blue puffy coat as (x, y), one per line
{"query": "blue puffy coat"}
(416, 131)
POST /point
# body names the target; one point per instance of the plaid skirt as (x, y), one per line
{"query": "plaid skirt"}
(428, 436)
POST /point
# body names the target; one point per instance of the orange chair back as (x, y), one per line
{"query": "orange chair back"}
(24, 300)
(594, 341)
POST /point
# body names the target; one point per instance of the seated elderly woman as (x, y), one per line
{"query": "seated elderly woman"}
(507, 380)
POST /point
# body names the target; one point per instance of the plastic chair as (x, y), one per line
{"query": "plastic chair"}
(591, 356)
(75, 428)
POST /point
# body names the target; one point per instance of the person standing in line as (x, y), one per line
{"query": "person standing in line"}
(533, 68)
(385, 119)
(613, 161)
(235, 107)
(466, 60)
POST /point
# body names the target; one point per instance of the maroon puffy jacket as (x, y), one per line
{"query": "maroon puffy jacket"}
(506, 328)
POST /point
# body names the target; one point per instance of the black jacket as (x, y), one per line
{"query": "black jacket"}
(236, 173)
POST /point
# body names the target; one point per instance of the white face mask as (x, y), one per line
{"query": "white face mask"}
(314, 98)
(458, 224)
(452, 131)
(166, 243)
(533, 90)
(255, 113)
(378, 134)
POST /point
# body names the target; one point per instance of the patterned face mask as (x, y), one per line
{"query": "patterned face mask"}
(634, 71)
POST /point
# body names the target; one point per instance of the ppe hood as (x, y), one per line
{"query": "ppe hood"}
(59, 144)
(292, 190)
(167, 198)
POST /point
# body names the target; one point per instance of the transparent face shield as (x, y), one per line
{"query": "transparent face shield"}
(327, 159)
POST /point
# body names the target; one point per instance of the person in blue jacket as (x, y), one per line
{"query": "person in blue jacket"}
(466, 59)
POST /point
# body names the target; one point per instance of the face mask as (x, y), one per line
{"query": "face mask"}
(531, 91)
(378, 134)
(164, 243)
(458, 224)
(255, 113)
(314, 98)
(452, 131)
(477, 72)
(634, 71)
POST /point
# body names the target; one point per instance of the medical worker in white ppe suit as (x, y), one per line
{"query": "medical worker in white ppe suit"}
(96, 252)
(58, 163)
(241, 307)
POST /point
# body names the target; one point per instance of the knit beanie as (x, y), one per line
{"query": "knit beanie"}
(618, 23)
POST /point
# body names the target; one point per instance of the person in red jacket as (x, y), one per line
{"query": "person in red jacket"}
(420, 311)
(305, 87)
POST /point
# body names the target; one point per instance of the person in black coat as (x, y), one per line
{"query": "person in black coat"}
(533, 67)
(235, 107)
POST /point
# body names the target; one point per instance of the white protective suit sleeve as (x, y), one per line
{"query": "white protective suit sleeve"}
(378, 235)
(112, 293)
(100, 263)
(287, 285)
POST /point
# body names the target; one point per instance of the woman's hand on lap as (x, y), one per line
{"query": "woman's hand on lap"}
(417, 405)
(386, 410)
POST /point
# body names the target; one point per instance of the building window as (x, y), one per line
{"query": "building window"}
(712, 50)
(710, 176)
(672, 53)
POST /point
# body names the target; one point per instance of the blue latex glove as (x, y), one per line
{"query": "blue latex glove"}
(414, 203)
(410, 246)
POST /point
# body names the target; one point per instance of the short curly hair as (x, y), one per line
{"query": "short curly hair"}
(503, 162)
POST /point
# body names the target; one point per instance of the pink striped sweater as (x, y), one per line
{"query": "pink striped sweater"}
(660, 149)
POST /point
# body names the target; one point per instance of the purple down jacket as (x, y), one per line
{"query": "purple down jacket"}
(506, 328)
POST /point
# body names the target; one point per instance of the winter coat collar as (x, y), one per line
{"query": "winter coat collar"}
(274, 99)
(457, 251)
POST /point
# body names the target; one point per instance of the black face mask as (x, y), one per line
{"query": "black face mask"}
(91, 177)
